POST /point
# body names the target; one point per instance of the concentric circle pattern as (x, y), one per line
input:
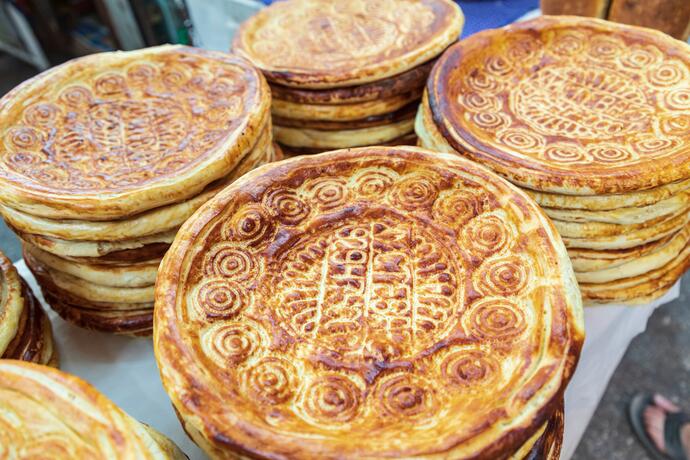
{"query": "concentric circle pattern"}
(358, 294)
(568, 103)
(117, 123)
(330, 44)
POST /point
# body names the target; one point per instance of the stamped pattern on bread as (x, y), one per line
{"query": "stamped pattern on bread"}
(579, 109)
(551, 93)
(120, 128)
(333, 297)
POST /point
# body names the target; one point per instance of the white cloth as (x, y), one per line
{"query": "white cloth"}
(124, 368)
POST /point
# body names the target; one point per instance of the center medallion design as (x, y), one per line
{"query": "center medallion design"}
(580, 103)
(382, 289)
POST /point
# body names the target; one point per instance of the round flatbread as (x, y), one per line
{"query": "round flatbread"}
(163, 219)
(12, 302)
(641, 264)
(114, 134)
(47, 413)
(408, 81)
(331, 140)
(408, 299)
(568, 105)
(331, 43)
(343, 112)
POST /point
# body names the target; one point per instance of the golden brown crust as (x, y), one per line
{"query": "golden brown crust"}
(12, 302)
(132, 275)
(111, 135)
(407, 139)
(408, 81)
(404, 113)
(638, 289)
(347, 138)
(101, 315)
(568, 105)
(343, 112)
(34, 340)
(330, 43)
(375, 294)
(122, 322)
(153, 221)
(51, 414)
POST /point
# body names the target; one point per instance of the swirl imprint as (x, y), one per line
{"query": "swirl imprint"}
(502, 277)
(221, 299)
(271, 380)
(495, 318)
(675, 125)
(490, 120)
(251, 225)
(523, 49)
(609, 154)
(24, 138)
(141, 75)
(640, 56)
(76, 97)
(482, 82)
(668, 73)
(372, 183)
(605, 47)
(174, 76)
(41, 115)
(468, 368)
(288, 208)
(678, 99)
(565, 153)
(24, 161)
(486, 235)
(406, 395)
(230, 342)
(229, 261)
(331, 399)
(568, 43)
(456, 207)
(110, 84)
(520, 139)
(328, 192)
(478, 102)
(414, 191)
(653, 144)
(498, 66)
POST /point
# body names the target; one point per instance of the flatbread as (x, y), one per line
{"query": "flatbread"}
(408, 299)
(569, 105)
(330, 43)
(112, 135)
(51, 414)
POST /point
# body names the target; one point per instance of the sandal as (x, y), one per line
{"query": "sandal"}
(673, 424)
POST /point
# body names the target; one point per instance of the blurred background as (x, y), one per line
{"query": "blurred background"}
(37, 34)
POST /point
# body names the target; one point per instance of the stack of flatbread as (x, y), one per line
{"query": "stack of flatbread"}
(409, 300)
(47, 413)
(346, 74)
(592, 118)
(104, 157)
(25, 330)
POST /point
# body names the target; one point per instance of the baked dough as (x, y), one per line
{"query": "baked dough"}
(331, 43)
(410, 300)
(568, 105)
(47, 413)
(169, 121)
